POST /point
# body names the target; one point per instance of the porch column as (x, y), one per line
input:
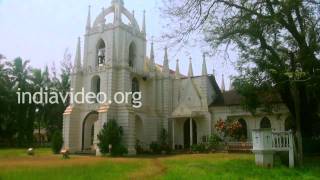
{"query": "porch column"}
(191, 132)
(173, 143)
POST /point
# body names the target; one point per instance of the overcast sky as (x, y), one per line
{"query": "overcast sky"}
(41, 31)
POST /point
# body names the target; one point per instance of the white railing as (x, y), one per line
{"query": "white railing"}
(283, 141)
(266, 141)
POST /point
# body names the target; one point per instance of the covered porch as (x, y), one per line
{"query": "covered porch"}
(189, 129)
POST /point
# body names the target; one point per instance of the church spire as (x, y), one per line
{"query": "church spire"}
(204, 65)
(165, 61)
(223, 88)
(88, 26)
(144, 22)
(152, 62)
(190, 72)
(77, 60)
(177, 70)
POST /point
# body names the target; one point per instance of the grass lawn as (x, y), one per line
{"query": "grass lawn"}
(15, 164)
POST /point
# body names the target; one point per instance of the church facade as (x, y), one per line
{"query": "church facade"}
(188, 107)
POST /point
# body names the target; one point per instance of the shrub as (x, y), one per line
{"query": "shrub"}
(199, 148)
(139, 148)
(119, 150)
(57, 142)
(111, 134)
(155, 147)
(232, 129)
(163, 137)
(214, 141)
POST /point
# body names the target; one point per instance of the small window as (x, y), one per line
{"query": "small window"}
(135, 85)
(132, 54)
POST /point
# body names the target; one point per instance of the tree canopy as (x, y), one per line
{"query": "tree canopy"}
(18, 121)
(278, 43)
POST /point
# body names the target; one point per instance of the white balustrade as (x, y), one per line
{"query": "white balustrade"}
(266, 142)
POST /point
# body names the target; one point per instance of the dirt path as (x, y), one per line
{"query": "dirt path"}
(153, 169)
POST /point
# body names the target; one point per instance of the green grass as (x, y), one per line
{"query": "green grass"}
(14, 153)
(97, 171)
(225, 166)
(15, 164)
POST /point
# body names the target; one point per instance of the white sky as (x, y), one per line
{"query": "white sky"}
(41, 30)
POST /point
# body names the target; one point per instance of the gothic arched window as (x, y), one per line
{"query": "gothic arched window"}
(132, 54)
(101, 51)
(135, 85)
(95, 86)
(265, 123)
(243, 130)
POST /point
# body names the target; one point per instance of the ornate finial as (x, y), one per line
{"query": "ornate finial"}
(204, 65)
(190, 72)
(133, 13)
(177, 70)
(223, 88)
(88, 26)
(77, 60)
(152, 52)
(144, 22)
(166, 61)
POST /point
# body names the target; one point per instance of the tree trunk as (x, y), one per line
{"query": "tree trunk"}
(296, 98)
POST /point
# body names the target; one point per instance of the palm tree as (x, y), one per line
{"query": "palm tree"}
(19, 75)
(19, 72)
(41, 80)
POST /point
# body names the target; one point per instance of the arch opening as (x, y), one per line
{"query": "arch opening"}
(125, 19)
(186, 132)
(89, 132)
(265, 123)
(243, 132)
(101, 53)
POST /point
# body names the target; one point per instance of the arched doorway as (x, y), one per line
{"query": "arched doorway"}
(186, 132)
(243, 132)
(88, 131)
(265, 123)
(139, 129)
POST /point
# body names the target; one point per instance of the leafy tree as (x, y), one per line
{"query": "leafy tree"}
(19, 77)
(57, 142)
(59, 84)
(279, 48)
(111, 134)
(41, 80)
(7, 124)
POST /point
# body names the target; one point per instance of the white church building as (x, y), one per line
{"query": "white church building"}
(114, 59)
